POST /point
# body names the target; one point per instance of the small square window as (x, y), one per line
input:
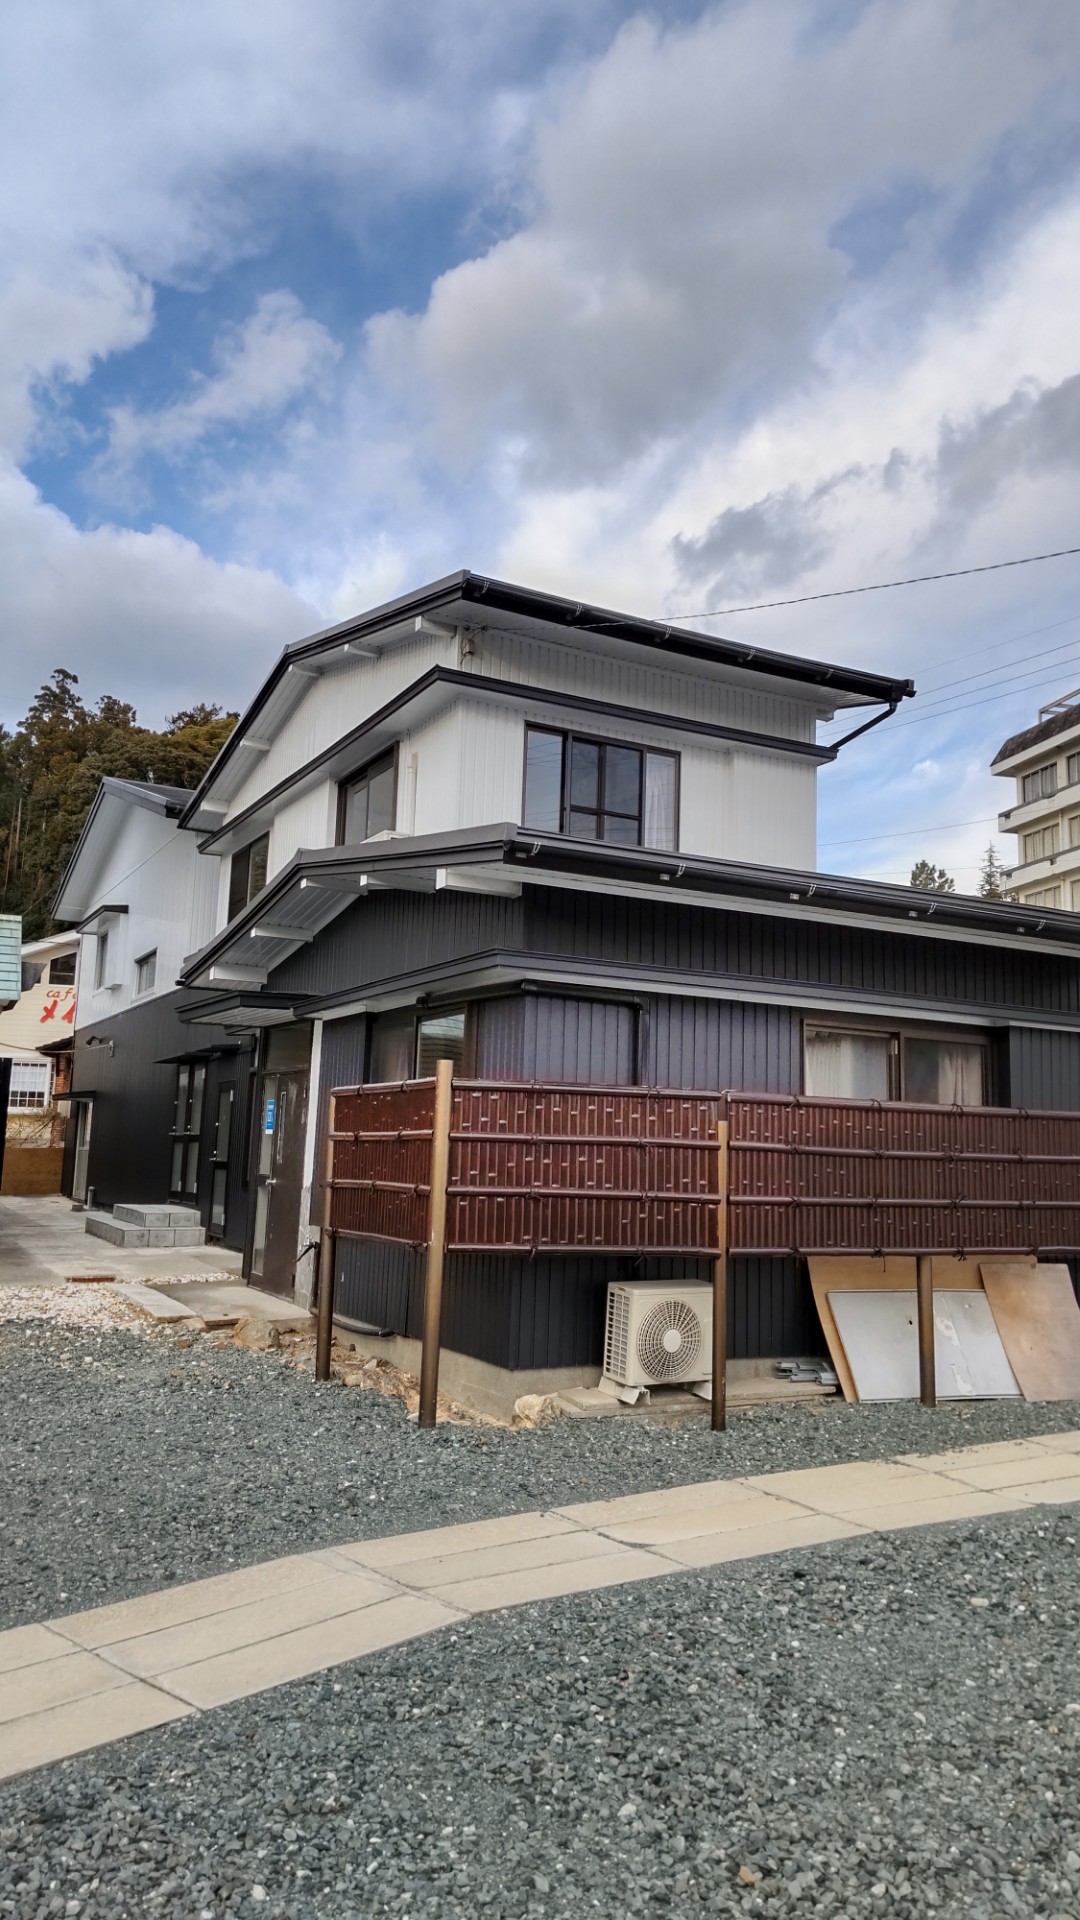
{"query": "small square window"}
(146, 972)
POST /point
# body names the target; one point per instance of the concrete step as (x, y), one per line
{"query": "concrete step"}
(119, 1233)
(167, 1214)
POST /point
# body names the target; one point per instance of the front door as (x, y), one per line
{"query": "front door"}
(279, 1180)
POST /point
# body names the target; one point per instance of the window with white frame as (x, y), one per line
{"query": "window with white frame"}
(1072, 768)
(146, 971)
(1044, 897)
(101, 959)
(1074, 830)
(31, 1085)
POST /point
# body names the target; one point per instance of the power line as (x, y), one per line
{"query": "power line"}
(964, 706)
(947, 826)
(988, 673)
(877, 586)
(1012, 640)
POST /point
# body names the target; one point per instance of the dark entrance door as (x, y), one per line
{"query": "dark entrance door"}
(279, 1178)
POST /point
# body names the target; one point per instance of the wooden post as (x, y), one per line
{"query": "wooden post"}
(324, 1335)
(924, 1280)
(720, 1285)
(436, 1250)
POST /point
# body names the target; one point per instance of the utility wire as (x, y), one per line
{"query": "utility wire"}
(908, 833)
(877, 586)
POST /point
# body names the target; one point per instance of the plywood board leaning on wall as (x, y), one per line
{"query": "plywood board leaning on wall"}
(883, 1273)
(1039, 1323)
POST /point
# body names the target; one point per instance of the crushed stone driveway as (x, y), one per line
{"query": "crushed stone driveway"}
(887, 1724)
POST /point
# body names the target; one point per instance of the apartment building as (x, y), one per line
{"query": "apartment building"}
(1044, 763)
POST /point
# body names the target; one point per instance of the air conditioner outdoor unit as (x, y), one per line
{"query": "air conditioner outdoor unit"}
(659, 1334)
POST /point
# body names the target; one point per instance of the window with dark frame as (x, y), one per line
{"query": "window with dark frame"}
(600, 790)
(366, 802)
(867, 1063)
(146, 971)
(407, 1043)
(187, 1128)
(62, 970)
(247, 873)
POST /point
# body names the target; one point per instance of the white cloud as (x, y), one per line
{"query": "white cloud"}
(55, 322)
(146, 616)
(277, 355)
(677, 262)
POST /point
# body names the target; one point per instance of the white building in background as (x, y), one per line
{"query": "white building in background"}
(43, 1013)
(1044, 762)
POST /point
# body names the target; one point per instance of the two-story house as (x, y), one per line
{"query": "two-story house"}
(154, 1106)
(557, 843)
(1044, 762)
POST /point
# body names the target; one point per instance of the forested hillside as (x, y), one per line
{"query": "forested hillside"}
(49, 773)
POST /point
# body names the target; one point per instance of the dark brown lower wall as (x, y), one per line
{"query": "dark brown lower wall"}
(32, 1170)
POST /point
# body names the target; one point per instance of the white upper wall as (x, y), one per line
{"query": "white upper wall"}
(148, 865)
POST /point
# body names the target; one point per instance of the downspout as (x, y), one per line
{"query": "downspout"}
(867, 724)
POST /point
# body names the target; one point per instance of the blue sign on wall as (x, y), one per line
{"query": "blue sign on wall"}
(268, 1118)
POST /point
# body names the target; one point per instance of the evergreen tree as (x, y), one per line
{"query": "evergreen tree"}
(51, 768)
(994, 876)
(930, 879)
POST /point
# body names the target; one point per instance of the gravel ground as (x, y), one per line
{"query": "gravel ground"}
(130, 1463)
(882, 1727)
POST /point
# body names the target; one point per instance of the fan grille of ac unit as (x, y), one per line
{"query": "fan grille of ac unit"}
(668, 1341)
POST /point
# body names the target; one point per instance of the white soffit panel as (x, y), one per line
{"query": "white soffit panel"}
(881, 1343)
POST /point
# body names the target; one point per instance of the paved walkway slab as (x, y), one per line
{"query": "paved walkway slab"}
(89, 1678)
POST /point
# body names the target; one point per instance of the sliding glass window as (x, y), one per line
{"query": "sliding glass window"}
(366, 804)
(600, 790)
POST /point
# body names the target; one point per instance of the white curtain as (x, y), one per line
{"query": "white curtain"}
(848, 1066)
(960, 1075)
(659, 820)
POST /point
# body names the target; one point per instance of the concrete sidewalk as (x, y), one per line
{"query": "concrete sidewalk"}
(43, 1242)
(89, 1678)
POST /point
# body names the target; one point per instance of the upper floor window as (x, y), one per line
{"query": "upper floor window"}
(247, 873)
(367, 802)
(600, 789)
(1042, 843)
(146, 972)
(1072, 769)
(1040, 784)
(62, 970)
(101, 961)
(1045, 897)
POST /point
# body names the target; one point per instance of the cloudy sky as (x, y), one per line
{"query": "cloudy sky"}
(682, 308)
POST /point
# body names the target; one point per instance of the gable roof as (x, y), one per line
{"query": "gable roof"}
(169, 802)
(467, 598)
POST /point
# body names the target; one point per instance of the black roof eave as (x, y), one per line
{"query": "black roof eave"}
(517, 848)
(572, 615)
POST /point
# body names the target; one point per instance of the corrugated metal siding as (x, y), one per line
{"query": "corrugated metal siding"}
(599, 676)
(716, 1044)
(131, 1134)
(752, 947)
(396, 933)
(546, 1037)
(549, 1312)
(1044, 1069)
